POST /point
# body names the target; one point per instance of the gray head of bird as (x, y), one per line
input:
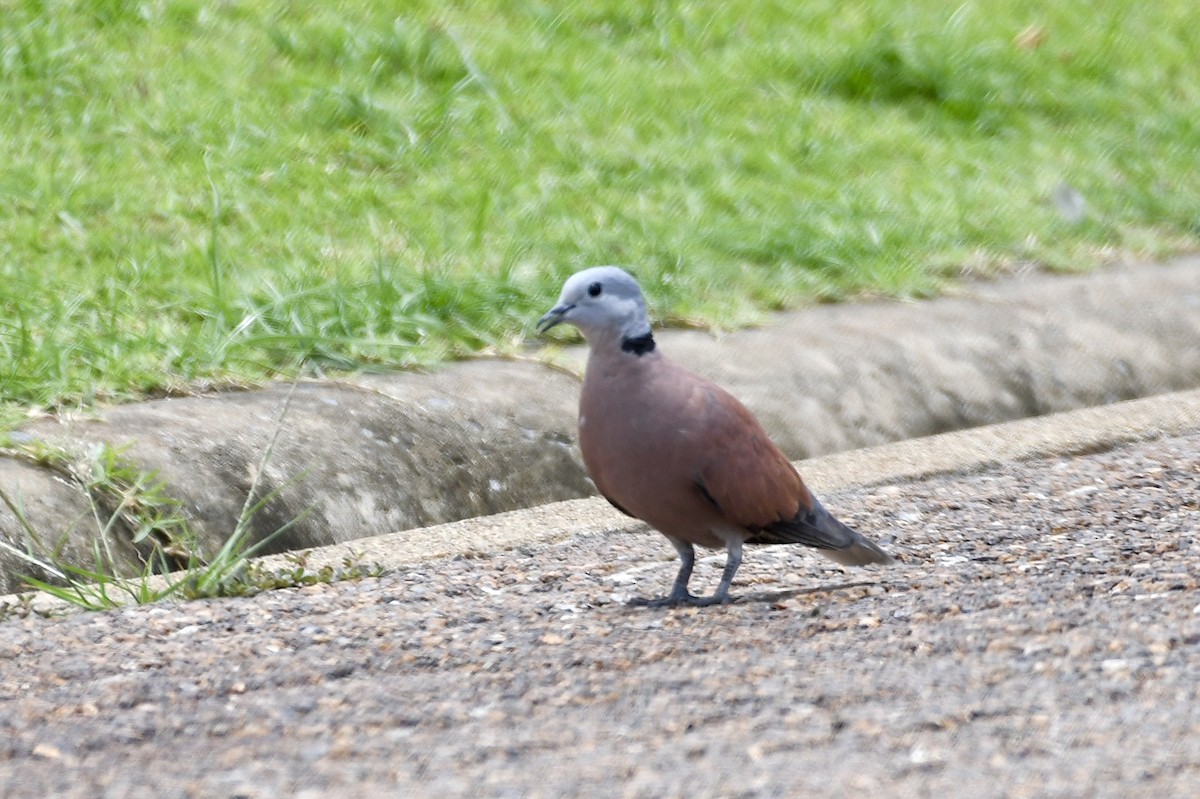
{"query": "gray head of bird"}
(603, 302)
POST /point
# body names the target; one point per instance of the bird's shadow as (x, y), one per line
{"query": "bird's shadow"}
(769, 597)
(792, 593)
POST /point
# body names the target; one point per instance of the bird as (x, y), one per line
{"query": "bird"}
(677, 451)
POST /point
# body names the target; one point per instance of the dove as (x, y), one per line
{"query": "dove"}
(677, 451)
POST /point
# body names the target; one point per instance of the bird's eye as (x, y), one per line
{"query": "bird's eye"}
(595, 289)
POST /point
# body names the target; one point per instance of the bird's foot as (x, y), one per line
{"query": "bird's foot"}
(684, 599)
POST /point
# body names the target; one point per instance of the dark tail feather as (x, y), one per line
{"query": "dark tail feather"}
(818, 529)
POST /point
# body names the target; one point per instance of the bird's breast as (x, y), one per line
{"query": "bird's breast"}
(642, 456)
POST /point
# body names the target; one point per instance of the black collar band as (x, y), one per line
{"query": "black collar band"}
(638, 346)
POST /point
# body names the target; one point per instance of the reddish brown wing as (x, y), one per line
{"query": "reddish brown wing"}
(743, 472)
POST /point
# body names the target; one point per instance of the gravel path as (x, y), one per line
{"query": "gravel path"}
(1041, 638)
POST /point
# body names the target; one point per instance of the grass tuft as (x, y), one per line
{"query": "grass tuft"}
(129, 509)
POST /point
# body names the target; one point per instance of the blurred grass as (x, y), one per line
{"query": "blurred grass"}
(198, 191)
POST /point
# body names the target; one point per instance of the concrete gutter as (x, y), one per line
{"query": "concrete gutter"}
(1059, 435)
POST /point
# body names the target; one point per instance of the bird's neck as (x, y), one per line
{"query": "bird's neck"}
(611, 358)
(635, 339)
(638, 345)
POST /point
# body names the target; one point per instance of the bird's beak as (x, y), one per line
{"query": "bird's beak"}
(553, 317)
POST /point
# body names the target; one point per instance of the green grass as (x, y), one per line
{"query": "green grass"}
(195, 191)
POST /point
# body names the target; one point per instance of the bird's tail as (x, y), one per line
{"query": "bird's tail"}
(858, 551)
(819, 529)
(861, 552)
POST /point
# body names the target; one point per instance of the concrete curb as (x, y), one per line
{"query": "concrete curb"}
(1056, 435)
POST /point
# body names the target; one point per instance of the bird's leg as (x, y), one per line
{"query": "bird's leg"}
(687, 560)
(733, 559)
(679, 592)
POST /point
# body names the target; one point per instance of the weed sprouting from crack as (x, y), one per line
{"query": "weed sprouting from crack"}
(257, 578)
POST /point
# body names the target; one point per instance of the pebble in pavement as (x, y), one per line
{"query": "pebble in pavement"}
(1040, 638)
